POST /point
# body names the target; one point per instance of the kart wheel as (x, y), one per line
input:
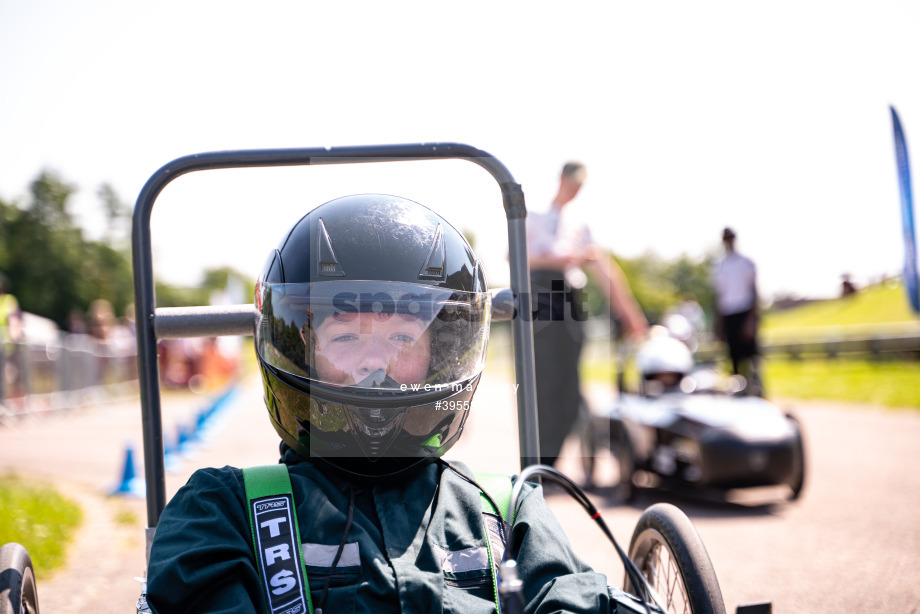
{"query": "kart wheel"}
(625, 491)
(18, 594)
(797, 481)
(670, 555)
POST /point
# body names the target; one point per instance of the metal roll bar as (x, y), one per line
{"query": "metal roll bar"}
(153, 323)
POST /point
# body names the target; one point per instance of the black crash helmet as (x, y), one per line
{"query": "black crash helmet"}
(374, 322)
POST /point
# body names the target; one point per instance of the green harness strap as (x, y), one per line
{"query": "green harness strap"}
(498, 485)
(276, 536)
(276, 539)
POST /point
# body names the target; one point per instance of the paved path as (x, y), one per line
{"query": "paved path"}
(83, 453)
(850, 541)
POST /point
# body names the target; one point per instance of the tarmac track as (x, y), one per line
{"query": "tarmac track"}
(851, 542)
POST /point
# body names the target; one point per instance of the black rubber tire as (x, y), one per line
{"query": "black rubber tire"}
(665, 532)
(797, 481)
(18, 593)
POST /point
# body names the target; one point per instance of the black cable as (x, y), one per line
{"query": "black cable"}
(635, 576)
(338, 553)
(545, 471)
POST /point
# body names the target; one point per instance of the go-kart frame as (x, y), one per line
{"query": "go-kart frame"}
(667, 566)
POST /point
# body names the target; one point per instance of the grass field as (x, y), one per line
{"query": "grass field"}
(885, 383)
(881, 307)
(39, 518)
(894, 384)
(881, 310)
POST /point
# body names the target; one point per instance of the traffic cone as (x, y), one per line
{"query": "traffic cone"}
(131, 485)
(183, 438)
(201, 420)
(188, 444)
(215, 416)
(172, 462)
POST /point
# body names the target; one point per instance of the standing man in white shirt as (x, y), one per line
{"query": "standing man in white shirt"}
(559, 254)
(734, 279)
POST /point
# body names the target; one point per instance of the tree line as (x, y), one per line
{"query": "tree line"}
(659, 283)
(54, 269)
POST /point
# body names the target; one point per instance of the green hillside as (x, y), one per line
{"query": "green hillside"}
(884, 380)
(882, 307)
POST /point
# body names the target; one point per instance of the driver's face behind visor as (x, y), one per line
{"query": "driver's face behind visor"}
(352, 347)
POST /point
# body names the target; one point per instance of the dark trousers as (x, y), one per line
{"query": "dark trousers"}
(741, 337)
(558, 337)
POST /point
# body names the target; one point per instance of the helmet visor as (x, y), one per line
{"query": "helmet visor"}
(373, 334)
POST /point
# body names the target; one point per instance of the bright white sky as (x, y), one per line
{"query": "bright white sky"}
(769, 117)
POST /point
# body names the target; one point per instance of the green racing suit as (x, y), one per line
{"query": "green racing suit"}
(413, 545)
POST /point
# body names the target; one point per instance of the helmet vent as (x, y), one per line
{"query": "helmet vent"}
(436, 262)
(329, 265)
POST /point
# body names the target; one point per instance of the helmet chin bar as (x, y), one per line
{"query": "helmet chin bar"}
(375, 429)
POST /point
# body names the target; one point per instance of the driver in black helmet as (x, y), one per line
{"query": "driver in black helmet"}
(374, 316)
